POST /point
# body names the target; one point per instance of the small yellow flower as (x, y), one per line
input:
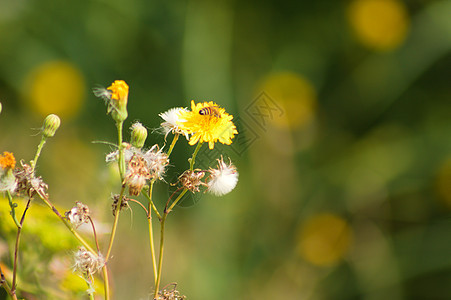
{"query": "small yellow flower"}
(207, 122)
(7, 160)
(119, 91)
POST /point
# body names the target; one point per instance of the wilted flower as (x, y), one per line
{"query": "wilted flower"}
(191, 180)
(124, 203)
(78, 215)
(172, 119)
(28, 184)
(87, 262)
(7, 179)
(157, 161)
(207, 122)
(136, 175)
(223, 179)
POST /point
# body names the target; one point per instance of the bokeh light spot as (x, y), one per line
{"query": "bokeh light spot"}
(324, 239)
(56, 87)
(295, 96)
(379, 24)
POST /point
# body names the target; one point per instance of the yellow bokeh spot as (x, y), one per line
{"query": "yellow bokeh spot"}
(443, 183)
(294, 95)
(56, 87)
(379, 24)
(324, 239)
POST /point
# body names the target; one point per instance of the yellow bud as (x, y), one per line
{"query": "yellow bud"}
(119, 98)
(51, 124)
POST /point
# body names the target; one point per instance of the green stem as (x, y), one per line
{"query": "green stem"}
(174, 140)
(5, 285)
(13, 208)
(153, 205)
(193, 158)
(121, 161)
(116, 219)
(151, 241)
(16, 247)
(38, 153)
(106, 285)
(68, 225)
(160, 260)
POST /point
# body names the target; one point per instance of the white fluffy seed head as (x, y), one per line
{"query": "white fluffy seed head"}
(171, 118)
(223, 179)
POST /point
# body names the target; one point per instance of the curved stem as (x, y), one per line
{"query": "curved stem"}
(95, 234)
(153, 206)
(13, 208)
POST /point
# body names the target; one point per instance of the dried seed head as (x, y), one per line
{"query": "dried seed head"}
(136, 175)
(87, 263)
(191, 180)
(157, 161)
(28, 184)
(124, 203)
(78, 215)
(170, 294)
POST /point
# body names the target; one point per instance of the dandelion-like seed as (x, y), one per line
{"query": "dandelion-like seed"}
(171, 119)
(192, 180)
(223, 179)
(78, 215)
(207, 122)
(87, 263)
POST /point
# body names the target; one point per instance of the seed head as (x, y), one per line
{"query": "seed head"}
(223, 179)
(78, 215)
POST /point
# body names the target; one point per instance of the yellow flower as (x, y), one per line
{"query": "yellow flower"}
(119, 91)
(7, 160)
(207, 122)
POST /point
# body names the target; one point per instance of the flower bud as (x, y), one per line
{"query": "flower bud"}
(139, 135)
(51, 124)
(119, 98)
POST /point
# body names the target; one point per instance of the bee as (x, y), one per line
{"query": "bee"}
(210, 111)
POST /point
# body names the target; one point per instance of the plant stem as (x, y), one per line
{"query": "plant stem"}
(153, 206)
(174, 140)
(13, 208)
(16, 247)
(152, 244)
(106, 285)
(116, 219)
(68, 225)
(121, 161)
(193, 158)
(38, 153)
(5, 285)
(160, 259)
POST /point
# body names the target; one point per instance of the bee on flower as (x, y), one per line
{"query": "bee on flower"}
(207, 122)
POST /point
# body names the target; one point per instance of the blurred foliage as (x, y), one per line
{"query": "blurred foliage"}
(343, 109)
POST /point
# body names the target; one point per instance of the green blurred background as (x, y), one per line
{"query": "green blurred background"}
(344, 151)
